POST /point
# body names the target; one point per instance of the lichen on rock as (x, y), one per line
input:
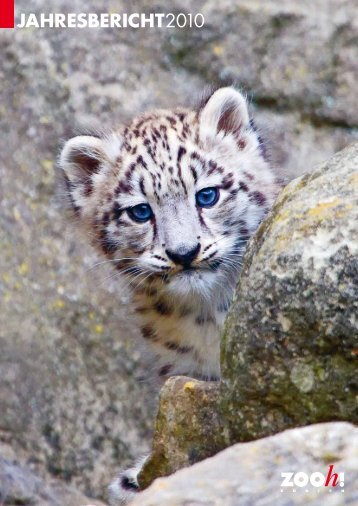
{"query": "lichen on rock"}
(188, 427)
(290, 342)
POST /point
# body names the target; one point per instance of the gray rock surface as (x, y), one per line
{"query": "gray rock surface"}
(289, 350)
(70, 400)
(19, 485)
(250, 473)
(288, 54)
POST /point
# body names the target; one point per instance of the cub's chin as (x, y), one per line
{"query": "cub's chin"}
(190, 283)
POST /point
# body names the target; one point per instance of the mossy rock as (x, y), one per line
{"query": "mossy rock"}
(289, 350)
(188, 427)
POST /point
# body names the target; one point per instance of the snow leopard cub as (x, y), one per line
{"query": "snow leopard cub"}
(171, 200)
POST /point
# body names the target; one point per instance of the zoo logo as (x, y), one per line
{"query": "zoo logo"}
(7, 14)
(317, 479)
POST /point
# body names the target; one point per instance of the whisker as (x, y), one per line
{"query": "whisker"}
(110, 261)
(141, 282)
(126, 273)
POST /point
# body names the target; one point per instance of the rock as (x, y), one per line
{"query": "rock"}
(19, 485)
(295, 146)
(243, 42)
(72, 397)
(188, 427)
(289, 351)
(250, 473)
(70, 361)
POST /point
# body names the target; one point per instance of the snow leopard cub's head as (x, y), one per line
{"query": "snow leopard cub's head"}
(174, 196)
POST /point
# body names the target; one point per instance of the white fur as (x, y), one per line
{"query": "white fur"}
(221, 101)
(187, 336)
(118, 495)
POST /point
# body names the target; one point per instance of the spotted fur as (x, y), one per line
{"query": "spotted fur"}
(163, 159)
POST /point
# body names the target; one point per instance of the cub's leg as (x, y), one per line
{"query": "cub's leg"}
(125, 486)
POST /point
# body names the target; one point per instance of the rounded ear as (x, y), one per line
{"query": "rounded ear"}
(225, 111)
(81, 159)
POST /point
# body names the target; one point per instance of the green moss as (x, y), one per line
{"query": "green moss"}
(187, 430)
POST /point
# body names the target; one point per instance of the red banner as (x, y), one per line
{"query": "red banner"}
(7, 18)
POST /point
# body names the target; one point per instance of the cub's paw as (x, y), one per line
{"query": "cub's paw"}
(125, 486)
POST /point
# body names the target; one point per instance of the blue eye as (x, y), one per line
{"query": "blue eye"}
(207, 197)
(140, 213)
